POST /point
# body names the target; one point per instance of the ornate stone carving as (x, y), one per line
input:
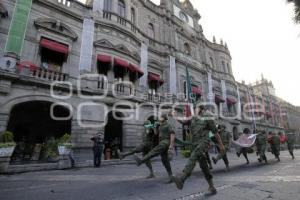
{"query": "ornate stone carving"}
(55, 26)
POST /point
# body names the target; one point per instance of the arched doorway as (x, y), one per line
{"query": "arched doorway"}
(235, 133)
(32, 126)
(113, 135)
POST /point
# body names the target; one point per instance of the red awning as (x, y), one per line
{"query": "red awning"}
(219, 99)
(231, 101)
(104, 58)
(196, 90)
(54, 46)
(27, 64)
(134, 68)
(155, 77)
(121, 63)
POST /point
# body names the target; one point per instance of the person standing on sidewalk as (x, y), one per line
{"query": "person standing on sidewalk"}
(98, 148)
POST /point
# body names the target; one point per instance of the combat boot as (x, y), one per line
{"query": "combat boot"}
(227, 168)
(179, 180)
(211, 189)
(214, 160)
(151, 175)
(137, 160)
(265, 158)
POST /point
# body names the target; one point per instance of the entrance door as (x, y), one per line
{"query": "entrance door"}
(113, 135)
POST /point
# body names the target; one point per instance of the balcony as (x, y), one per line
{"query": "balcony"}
(42, 74)
(120, 20)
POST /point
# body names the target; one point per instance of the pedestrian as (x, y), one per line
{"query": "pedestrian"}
(97, 149)
(145, 147)
(291, 138)
(226, 139)
(261, 145)
(275, 145)
(244, 150)
(201, 124)
(166, 145)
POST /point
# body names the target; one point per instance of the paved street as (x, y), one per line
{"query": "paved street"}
(256, 181)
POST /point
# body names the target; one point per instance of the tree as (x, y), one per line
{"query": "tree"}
(297, 9)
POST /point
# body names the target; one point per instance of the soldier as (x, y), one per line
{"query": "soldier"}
(290, 143)
(275, 145)
(226, 139)
(166, 144)
(261, 145)
(145, 147)
(244, 150)
(201, 125)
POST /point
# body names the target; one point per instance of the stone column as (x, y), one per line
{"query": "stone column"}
(144, 65)
(173, 76)
(98, 5)
(86, 51)
(210, 95)
(224, 95)
(4, 117)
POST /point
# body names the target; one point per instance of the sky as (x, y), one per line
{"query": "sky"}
(262, 38)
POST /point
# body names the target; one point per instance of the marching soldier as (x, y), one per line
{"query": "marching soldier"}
(244, 150)
(226, 139)
(261, 145)
(275, 145)
(290, 143)
(145, 147)
(201, 125)
(166, 144)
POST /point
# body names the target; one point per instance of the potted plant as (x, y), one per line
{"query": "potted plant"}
(7, 147)
(64, 145)
(49, 150)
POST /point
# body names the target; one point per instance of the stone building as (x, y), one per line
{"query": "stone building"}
(71, 59)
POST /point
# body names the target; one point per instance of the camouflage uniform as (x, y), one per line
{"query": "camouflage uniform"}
(275, 146)
(226, 138)
(165, 131)
(261, 145)
(200, 128)
(290, 143)
(145, 147)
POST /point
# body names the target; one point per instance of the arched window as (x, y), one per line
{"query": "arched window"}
(151, 32)
(133, 16)
(212, 63)
(187, 49)
(121, 8)
(229, 69)
(107, 5)
(224, 68)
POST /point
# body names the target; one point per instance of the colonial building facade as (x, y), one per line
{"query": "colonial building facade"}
(68, 58)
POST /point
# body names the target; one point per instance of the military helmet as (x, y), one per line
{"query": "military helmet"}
(147, 123)
(196, 104)
(165, 116)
